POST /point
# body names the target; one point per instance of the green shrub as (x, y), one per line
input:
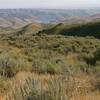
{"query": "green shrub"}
(97, 54)
(90, 60)
(9, 65)
(46, 66)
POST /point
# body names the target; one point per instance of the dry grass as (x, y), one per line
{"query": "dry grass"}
(62, 57)
(77, 87)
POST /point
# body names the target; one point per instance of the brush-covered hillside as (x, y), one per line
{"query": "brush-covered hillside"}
(88, 29)
(50, 62)
(30, 29)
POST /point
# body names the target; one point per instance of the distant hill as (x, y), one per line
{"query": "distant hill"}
(16, 18)
(12, 23)
(81, 20)
(88, 29)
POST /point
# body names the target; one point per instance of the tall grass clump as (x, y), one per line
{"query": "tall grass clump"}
(56, 88)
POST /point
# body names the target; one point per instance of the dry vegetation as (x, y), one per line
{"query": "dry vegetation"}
(49, 67)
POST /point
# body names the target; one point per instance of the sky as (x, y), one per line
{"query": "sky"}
(50, 4)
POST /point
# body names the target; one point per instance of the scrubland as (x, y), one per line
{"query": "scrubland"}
(49, 67)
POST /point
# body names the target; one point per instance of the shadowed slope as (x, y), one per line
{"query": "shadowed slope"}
(89, 29)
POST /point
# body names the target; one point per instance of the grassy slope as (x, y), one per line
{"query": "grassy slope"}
(89, 29)
(50, 56)
(32, 28)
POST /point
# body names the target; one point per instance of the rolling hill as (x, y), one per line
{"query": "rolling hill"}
(88, 29)
(49, 61)
(16, 18)
(30, 28)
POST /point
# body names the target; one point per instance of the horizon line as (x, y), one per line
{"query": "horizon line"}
(83, 8)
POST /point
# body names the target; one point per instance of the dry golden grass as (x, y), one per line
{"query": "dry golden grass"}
(88, 96)
(72, 59)
(82, 85)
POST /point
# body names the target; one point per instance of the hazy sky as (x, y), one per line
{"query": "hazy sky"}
(49, 3)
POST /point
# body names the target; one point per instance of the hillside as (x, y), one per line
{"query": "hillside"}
(16, 18)
(33, 66)
(32, 28)
(49, 61)
(88, 29)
